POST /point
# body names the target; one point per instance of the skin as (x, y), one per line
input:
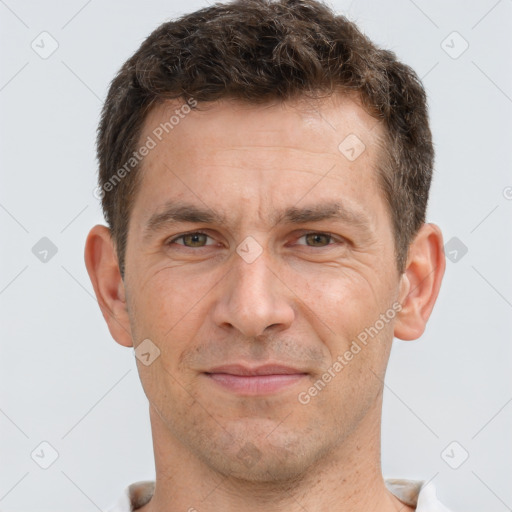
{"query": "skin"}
(301, 303)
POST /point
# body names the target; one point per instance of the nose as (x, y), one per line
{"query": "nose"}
(252, 298)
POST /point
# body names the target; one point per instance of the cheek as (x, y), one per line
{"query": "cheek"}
(343, 299)
(167, 310)
(170, 309)
(345, 311)
(169, 297)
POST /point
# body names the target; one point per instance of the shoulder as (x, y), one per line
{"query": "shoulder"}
(134, 496)
(415, 493)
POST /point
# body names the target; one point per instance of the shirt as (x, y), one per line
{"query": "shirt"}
(414, 493)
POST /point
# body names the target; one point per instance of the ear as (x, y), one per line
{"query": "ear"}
(103, 268)
(420, 283)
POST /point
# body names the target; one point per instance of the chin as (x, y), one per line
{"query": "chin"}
(258, 460)
(268, 469)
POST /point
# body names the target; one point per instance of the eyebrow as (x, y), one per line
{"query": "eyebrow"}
(177, 212)
(319, 212)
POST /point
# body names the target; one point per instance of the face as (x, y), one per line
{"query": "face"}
(259, 253)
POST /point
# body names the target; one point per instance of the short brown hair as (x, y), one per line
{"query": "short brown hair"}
(259, 51)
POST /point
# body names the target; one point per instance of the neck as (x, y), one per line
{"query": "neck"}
(348, 479)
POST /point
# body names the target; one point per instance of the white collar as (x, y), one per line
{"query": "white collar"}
(412, 492)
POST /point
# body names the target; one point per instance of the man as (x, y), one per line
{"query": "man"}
(264, 171)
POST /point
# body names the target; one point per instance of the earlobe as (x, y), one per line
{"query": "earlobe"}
(421, 282)
(103, 268)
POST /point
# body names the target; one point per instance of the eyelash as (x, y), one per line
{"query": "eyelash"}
(332, 238)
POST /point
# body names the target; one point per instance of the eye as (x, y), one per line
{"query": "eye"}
(195, 239)
(316, 239)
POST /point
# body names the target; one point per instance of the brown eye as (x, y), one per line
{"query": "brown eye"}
(317, 239)
(193, 239)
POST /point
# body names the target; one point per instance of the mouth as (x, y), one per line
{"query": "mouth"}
(261, 380)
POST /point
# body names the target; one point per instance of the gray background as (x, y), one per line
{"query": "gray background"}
(64, 381)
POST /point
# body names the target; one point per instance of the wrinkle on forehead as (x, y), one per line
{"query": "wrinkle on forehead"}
(203, 153)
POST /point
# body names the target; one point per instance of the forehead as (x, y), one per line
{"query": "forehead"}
(284, 149)
(314, 124)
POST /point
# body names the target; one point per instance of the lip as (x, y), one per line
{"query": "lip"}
(260, 380)
(267, 369)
